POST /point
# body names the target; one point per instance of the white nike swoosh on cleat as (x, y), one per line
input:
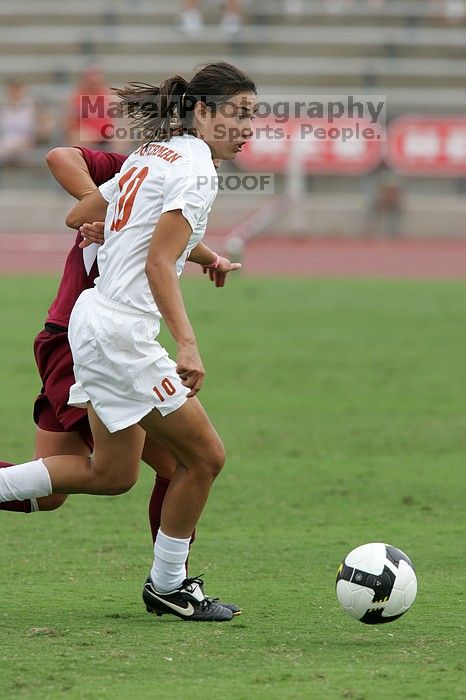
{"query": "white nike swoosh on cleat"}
(186, 612)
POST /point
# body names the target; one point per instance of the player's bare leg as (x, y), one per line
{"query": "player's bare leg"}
(164, 464)
(47, 444)
(200, 456)
(112, 469)
(155, 454)
(198, 450)
(158, 457)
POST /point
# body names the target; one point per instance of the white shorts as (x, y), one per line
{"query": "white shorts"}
(118, 365)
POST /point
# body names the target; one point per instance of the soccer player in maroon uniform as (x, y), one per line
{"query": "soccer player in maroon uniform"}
(60, 426)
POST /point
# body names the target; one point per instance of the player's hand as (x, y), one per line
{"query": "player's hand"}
(92, 233)
(218, 275)
(190, 368)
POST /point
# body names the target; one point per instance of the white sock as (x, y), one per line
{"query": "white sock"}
(23, 481)
(170, 554)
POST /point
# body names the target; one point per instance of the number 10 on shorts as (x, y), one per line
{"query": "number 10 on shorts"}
(166, 389)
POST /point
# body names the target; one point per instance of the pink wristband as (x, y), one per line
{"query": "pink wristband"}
(216, 264)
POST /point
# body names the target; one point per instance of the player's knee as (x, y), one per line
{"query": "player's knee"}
(119, 485)
(216, 459)
(106, 482)
(207, 461)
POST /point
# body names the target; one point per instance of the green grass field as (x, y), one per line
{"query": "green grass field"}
(342, 407)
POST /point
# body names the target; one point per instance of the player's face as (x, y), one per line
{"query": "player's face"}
(227, 129)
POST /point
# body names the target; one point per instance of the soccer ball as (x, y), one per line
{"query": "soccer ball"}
(376, 583)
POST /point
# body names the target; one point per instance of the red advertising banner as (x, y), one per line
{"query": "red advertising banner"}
(428, 145)
(347, 147)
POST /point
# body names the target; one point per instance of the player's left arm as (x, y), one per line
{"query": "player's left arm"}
(217, 266)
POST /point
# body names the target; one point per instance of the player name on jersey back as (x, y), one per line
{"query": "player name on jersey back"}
(157, 149)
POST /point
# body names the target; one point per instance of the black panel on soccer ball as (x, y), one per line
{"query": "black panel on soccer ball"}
(381, 584)
(374, 617)
(396, 555)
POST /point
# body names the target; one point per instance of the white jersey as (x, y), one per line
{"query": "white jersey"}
(156, 178)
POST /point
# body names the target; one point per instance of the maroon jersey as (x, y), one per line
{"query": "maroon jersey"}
(78, 274)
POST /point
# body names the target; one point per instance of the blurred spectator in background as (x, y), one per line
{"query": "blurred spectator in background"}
(454, 11)
(86, 126)
(449, 11)
(340, 6)
(191, 22)
(335, 7)
(17, 123)
(386, 203)
(293, 7)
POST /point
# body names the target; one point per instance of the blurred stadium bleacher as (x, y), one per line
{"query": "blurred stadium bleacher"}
(412, 51)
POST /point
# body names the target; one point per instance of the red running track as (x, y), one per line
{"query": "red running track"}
(417, 259)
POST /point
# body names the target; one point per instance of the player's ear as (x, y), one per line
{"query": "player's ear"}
(201, 112)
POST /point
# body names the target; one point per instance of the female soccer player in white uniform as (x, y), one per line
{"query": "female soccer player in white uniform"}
(156, 217)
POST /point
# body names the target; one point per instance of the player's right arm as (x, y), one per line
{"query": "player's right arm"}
(70, 170)
(169, 240)
(80, 170)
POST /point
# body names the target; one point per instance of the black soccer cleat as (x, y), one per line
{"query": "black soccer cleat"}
(235, 609)
(187, 602)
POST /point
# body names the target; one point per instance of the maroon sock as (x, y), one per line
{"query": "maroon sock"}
(155, 508)
(155, 504)
(16, 506)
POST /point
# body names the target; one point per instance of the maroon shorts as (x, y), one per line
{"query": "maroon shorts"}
(55, 364)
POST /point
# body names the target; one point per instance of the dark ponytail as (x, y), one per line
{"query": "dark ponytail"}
(161, 112)
(154, 110)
